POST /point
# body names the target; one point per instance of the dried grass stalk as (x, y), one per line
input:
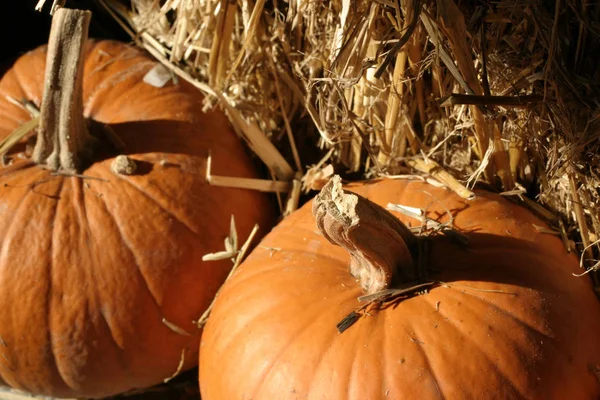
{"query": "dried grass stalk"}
(364, 79)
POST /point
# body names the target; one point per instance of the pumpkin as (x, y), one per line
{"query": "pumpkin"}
(487, 308)
(101, 271)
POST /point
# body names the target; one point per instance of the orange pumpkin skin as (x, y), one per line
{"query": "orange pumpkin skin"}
(89, 267)
(272, 333)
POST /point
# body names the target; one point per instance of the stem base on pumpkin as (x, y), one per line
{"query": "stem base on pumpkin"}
(63, 141)
(377, 241)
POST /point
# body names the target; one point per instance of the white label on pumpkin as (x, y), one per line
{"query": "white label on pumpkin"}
(158, 76)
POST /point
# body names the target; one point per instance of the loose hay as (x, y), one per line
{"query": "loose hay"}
(503, 94)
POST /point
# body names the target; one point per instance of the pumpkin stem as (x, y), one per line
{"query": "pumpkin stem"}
(63, 138)
(377, 241)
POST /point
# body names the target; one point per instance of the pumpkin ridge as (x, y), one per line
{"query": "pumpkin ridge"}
(113, 337)
(451, 323)
(110, 82)
(79, 198)
(290, 253)
(382, 352)
(92, 328)
(429, 366)
(381, 318)
(3, 250)
(11, 224)
(49, 295)
(322, 358)
(497, 350)
(28, 90)
(142, 278)
(14, 218)
(423, 351)
(13, 171)
(256, 275)
(507, 313)
(13, 117)
(351, 371)
(95, 49)
(133, 255)
(292, 339)
(478, 347)
(264, 311)
(82, 210)
(25, 63)
(170, 213)
(131, 52)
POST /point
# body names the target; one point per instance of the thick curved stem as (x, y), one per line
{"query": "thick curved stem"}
(63, 138)
(378, 243)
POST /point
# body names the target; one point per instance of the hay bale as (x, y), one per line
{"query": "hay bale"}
(503, 95)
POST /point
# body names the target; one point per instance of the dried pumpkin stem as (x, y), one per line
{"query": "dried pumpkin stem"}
(378, 243)
(63, 137)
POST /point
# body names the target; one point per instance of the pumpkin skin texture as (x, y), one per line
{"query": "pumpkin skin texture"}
(272, 332)
(89, 267)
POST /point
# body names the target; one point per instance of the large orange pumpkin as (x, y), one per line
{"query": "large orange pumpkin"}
(504, 319)
(92, 261)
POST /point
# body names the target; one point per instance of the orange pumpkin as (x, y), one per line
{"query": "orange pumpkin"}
(502, 317)
(91, 261)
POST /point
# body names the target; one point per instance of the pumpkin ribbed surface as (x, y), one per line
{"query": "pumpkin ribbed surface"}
(90, 265)
(509, 321)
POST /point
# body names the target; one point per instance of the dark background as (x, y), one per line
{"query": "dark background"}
(22, 28)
